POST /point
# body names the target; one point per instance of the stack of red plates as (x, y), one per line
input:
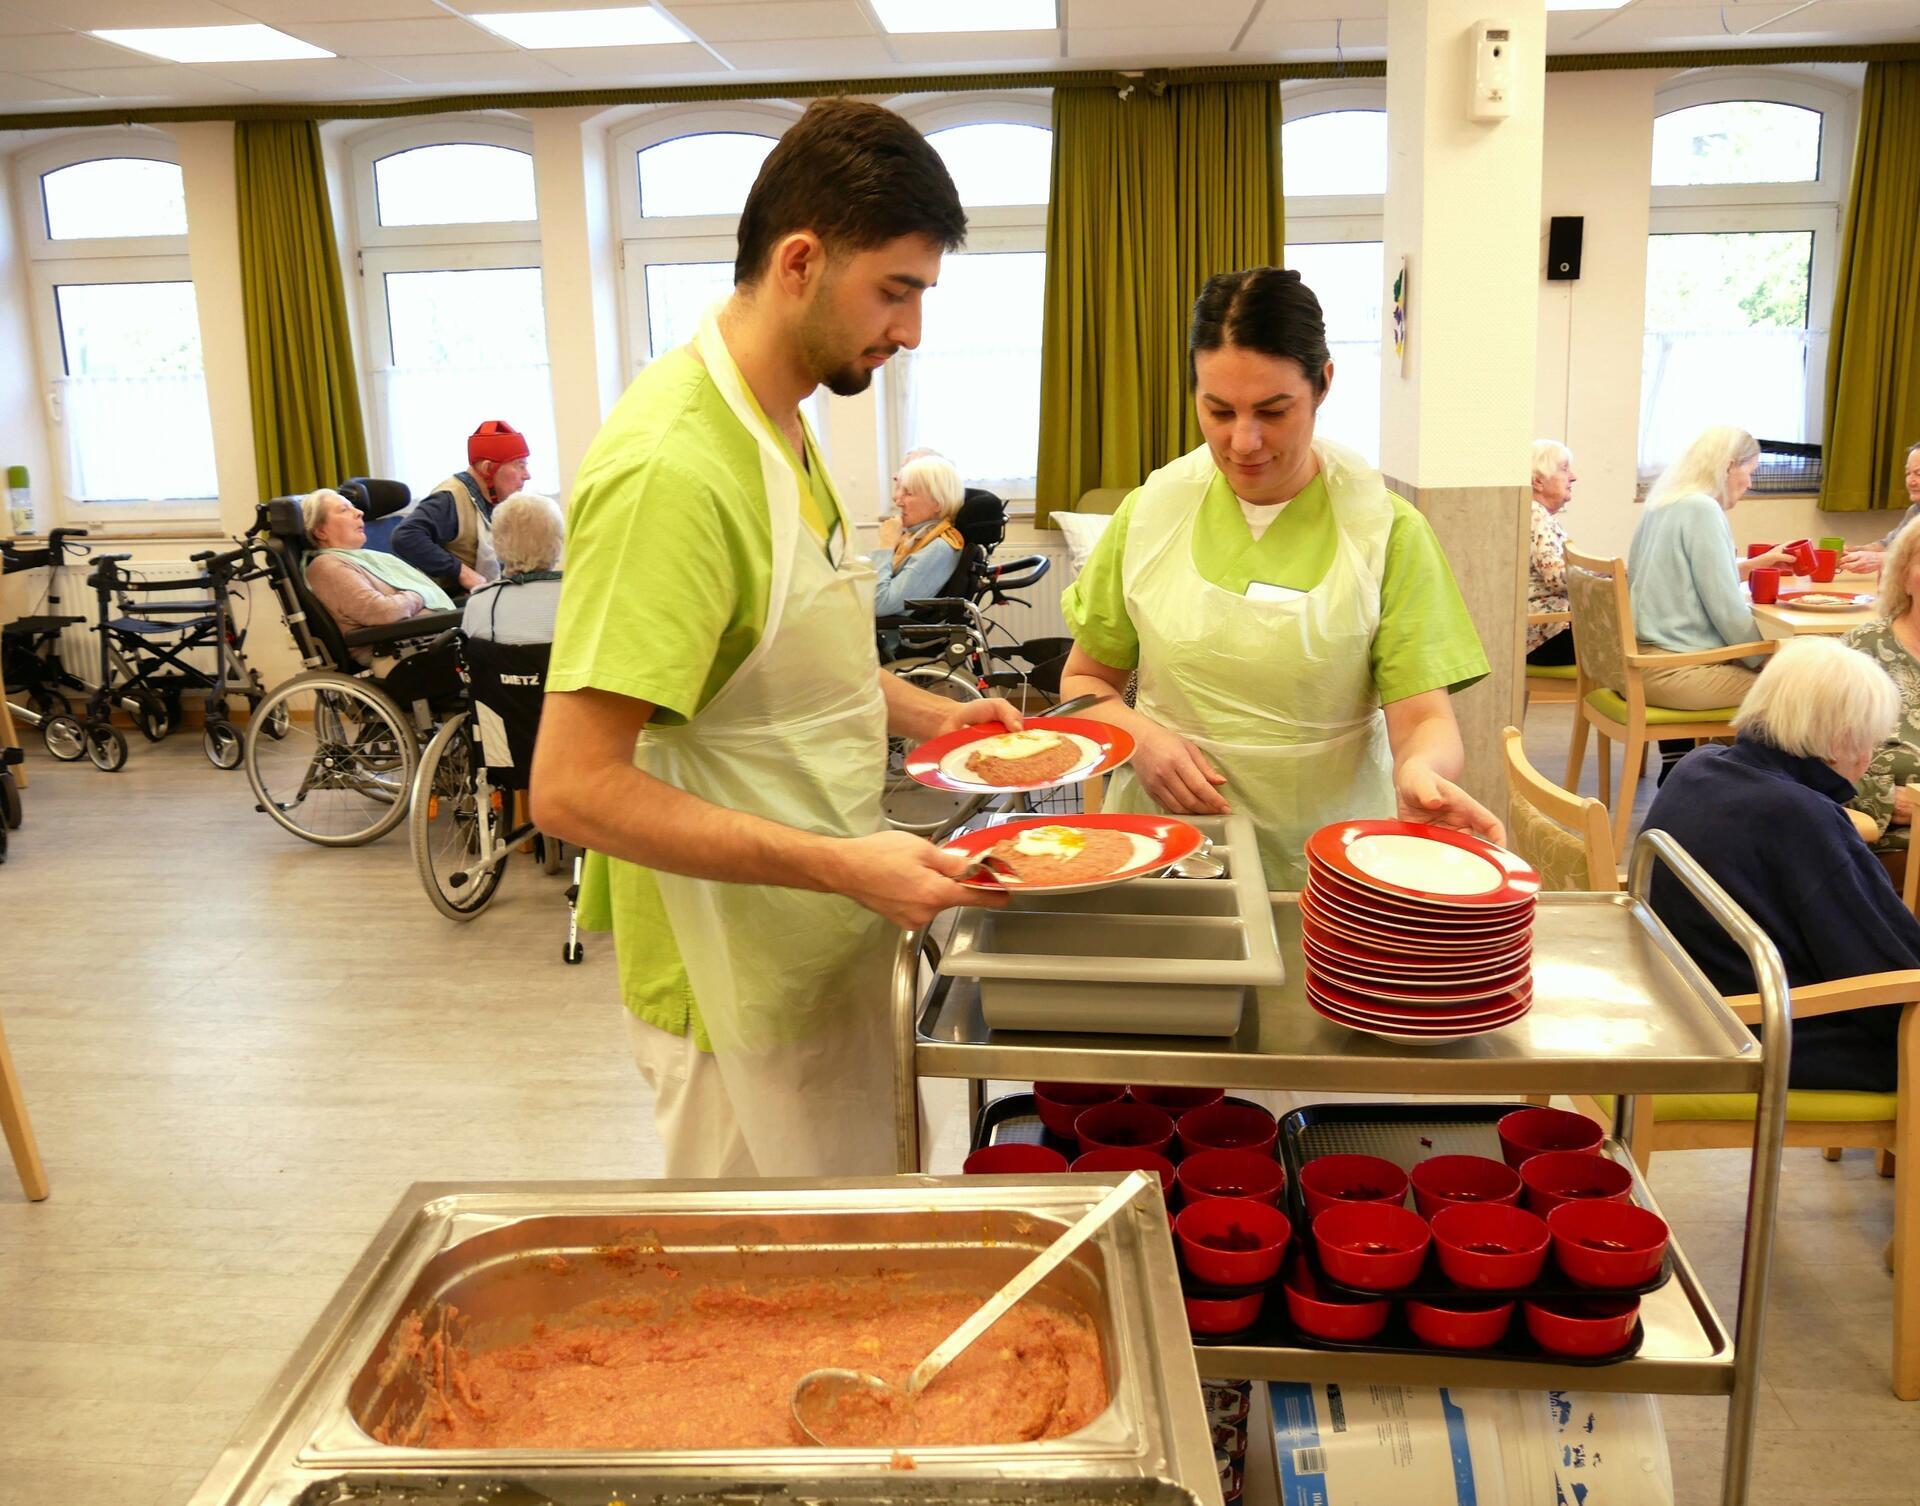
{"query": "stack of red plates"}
(1416, 933)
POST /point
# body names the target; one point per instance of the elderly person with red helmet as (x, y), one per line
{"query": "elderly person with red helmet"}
(448, 536)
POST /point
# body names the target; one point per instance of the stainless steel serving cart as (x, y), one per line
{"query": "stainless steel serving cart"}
(1618, 1009)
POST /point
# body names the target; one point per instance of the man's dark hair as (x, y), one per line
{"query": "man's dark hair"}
(1267, 309)
(857, 176)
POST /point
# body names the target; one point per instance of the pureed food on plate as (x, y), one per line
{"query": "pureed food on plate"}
(1022, 757)
(1065, 854)
(714, 1367)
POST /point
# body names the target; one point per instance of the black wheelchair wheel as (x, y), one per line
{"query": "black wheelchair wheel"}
(48, 703)
(221, 742)
(11, 810)
(106, 747)
(572, 951)
(277, 721)
(65, 738)
(152, 715)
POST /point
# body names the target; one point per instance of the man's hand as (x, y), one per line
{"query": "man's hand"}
(1902, 805)
(471, 579)
(971, 713)
(902, 877)
(1864, 561)
(890, 531)
(1423, 795)
(1177, 774)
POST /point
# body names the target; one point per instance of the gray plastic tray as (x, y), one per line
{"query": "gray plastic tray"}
(1163, 956)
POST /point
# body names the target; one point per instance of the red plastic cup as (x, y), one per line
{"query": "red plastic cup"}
(1123, 1126)
(1011, 1160)
(1571, 1176)
(1587, 1327)
(1228, 1126)
(1330, 1181)
(1825, 563)
(1491, 1248)
(1754, 551)
(1608, 1244)
(1232, 1241)
(1231, 1174)
(1378, 1247)
(1802, 552)
(1534, 1132)
(1443, 1181)
(1060, 1103)
(1113, 1158)
(1448, 1326)
(1177, 1101)
(1324, 1317)
(1223, 1314)
(1765, 586)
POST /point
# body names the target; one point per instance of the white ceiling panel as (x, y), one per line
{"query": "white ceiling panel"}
(611, 66)
(837, 57)
(969, 49)
(1320, 10)
(1151, 46)
(460, 72)
(1316, 37)
(84, 15)
(305, 78)
(279, 12)
(69, 49)
(173, 83)
(17, 89)
(390, 39)
(761, 23)
(1092, 15)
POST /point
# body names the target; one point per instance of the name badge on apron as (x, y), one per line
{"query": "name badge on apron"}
(1259, 590)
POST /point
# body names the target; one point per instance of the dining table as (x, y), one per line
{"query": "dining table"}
(1781, 619)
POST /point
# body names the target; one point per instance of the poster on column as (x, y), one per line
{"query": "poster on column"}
(1400, 316)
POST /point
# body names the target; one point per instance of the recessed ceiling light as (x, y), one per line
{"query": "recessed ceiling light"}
(967, 15)
(251, 43)
(1585, 4)
(623, 26)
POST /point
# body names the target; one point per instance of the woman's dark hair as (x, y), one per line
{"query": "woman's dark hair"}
(857, 176)
(1266, 309)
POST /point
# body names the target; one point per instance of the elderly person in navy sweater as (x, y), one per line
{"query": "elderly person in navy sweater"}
(1767, 819)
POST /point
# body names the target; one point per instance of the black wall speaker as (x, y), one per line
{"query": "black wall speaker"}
(1564, 234)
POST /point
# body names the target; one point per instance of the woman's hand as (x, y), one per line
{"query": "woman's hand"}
(1902, 805)
(890, 530)
(1424, 796)
(970, 713)
(1177, 774)
(1861, 562)
(1767, 561)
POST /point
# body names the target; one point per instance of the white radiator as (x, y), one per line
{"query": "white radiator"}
(1040, 617)
(80, 644)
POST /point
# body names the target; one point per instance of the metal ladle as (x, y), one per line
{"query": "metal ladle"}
(819, 1393)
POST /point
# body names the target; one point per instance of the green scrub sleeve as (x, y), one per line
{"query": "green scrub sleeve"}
(1426, 639)
(1095, 605)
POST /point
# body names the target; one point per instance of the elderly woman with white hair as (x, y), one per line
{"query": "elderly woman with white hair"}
(919, 546)
(1893, 643)
(1553, 478)
(359, 587)
(529, 536)
(1768, 820)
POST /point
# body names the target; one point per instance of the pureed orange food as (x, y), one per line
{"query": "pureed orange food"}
(714, 1367)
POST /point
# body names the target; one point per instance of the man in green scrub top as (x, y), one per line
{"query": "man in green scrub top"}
(716, 722)
(1294, 625)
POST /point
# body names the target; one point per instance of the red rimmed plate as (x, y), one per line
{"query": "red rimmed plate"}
(1421, 990)
(1345, 998)
(1418, 1019)
(1360, 913)
(1327, 880)
(1319, 924)
(1432, 864)
(1370, 930)
(1158, 843)
(941, 764)
(1443, 1037)
(1389, 964)
(1824, 601)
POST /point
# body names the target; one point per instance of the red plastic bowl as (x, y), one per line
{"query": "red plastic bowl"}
(1534, 1132)
(1232, 1173)
(1007, 1160)
(1232, 1241)
(1607, 1244)
(1223, 1314)
(1446, 1326)
(1123, 1126)
(1442, 1181)
(1378, 1247)
(1060, 1103)
(1491, 1247)
(1587, 1327)
(1330, 1181)
(1571, 1176)
(1177, 1101)
(1315, 1313)
(1113, 1159)
(1228, 1126)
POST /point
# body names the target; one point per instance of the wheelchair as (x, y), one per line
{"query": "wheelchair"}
(331, 753)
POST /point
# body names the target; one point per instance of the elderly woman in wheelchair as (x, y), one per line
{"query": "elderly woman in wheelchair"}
(360, 587)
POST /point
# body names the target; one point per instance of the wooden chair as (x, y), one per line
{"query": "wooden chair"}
(18, 1128)
(1550, 684)
(1611, 687)
(1565, 836)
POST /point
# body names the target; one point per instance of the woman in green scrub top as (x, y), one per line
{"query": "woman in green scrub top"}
(1294, 625)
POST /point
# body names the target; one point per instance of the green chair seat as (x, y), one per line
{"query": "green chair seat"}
(1804, 1106)
(1553, 671)
(1614, 708)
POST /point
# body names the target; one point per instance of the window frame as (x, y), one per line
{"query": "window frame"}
(1302, 102)
(50, 264)
(373, 146)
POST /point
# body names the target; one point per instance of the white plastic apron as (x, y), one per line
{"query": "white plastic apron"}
(1279, 694)
(793, 986)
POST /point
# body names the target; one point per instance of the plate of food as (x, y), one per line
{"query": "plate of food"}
(1074, 853)
(1825, 601)
(1048, 751)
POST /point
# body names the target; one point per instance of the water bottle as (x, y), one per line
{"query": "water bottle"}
(20, 502)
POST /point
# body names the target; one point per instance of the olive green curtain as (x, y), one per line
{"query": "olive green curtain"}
(307, 429)
(1152, 194)
(1873, 352)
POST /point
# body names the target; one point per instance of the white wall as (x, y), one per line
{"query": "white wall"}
(23, 430)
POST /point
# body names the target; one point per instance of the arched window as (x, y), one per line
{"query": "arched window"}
(708, 172)
(1333, 163)
(447, 219)
(118, 326)
(1746, 183)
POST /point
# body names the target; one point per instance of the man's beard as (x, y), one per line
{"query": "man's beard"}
(822, 342)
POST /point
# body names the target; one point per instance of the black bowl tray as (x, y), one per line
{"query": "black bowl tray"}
(1014, 1119)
